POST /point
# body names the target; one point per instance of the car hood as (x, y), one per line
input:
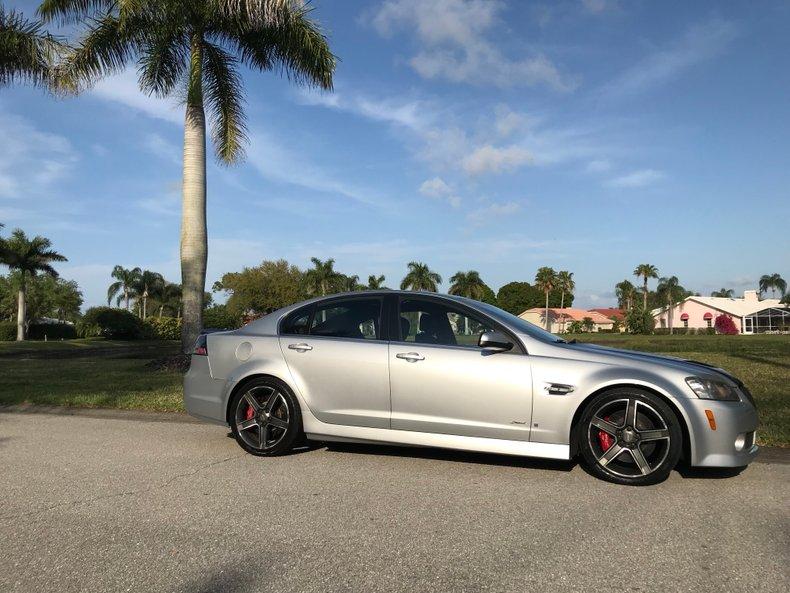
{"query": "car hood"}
(681, 364)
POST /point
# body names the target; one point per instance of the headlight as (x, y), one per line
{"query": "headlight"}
(713, 389)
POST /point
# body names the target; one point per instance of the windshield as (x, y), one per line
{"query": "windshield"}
(518, 324)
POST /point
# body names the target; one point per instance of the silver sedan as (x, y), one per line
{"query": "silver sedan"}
(414, 368)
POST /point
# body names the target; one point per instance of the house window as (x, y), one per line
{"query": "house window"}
(709, 322)
(685, 323)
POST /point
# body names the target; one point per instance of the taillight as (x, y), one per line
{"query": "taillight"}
(201, 346)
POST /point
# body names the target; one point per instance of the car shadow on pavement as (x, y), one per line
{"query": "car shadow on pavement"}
(449, 455)
(227, 580)
(707, 473)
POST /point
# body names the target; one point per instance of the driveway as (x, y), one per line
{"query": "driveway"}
(97, 504)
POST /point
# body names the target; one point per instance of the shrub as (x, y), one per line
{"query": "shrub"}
(639, 321)
(164, 328)
(7, 331)
(110, 323)
(725, 325)
(51, 331)
(219, 317)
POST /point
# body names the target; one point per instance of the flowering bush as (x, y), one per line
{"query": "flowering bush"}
(725, 325)
(164, 328)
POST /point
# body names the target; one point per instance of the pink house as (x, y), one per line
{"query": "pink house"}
(700, 312)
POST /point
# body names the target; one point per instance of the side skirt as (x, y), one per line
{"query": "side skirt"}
(317, 430)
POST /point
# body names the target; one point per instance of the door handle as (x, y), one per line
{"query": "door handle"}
(300, 347)
(410, 356)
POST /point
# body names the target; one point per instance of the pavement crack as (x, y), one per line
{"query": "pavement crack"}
(152, 488)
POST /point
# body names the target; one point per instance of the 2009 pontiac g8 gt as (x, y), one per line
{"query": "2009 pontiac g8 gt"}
(424, 369)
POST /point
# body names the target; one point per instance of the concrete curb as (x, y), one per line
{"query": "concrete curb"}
(136, 415)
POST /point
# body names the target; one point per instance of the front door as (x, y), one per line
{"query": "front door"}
(442, 382)
(338, 360)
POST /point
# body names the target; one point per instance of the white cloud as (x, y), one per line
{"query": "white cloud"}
(699, 43)
(162, 148)
(123, 88)
(639, 178)
(32, 161)
(490, 159)
(598, 166)
(507, 122)
(438, 189)
(491, 211)
(409, 113)
(455, 47)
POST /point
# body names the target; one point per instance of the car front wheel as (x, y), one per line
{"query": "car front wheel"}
(629, 436)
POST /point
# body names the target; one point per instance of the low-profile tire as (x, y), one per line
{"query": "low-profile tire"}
(265, 417)
(629, 436)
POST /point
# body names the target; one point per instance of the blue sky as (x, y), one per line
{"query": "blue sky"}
(585, 135)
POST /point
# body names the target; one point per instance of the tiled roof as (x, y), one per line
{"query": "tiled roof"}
(571, 314)
(610, 313)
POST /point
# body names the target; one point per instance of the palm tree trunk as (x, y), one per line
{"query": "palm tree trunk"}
(644, 295)
(669, 314)
(547, 310)
(20, 314)
(194, 236)
(126, 297)
(562, 306)
(145, 305)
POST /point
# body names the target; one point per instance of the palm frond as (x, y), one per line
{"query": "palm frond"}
(164, 58)
(72, 11)
(27, 52)
(224, 95)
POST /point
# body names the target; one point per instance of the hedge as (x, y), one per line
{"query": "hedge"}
(110, 323)
(164, 328)
(7, 331)
(51, 331)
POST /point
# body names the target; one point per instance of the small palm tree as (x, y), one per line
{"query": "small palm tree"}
(588, 324)
(29, 257)
(322, 279)
(726, 293)
(645, 271)
(670, 291)
(27, 52)
(375, 282)
(626, 292)
(546, 280)
(467, 284)
(772, 282)
(168, 296)
(147, 283)
(350, 283)
(195, 50)
(566, 284)
(420, 277)
(124, 285)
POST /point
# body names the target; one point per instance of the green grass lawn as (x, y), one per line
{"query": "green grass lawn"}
(113, 374)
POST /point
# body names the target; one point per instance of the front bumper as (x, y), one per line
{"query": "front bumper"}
(732, 443)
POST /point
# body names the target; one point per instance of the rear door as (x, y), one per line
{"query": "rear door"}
(442, 382)
(338, 356)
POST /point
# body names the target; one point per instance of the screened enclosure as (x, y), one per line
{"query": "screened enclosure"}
(770, 320)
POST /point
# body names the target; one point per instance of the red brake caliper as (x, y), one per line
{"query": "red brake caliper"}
(250, 413)
(604, 438)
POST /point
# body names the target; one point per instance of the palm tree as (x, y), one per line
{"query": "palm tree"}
(469, 285)
(566, 284)
(147, 283)
(420, 277)
(168, 296)
(350, 283)
(27, 52)
(626, 292)
(375, 282)
(670, 290)
(645, 271)
(322, 278)
(28, 257)
(546, 280)
(726, 293)
(126, 280)
(195, 50)
(772, 282)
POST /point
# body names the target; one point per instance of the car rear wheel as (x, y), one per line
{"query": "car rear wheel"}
(629, 436)
(265, 417)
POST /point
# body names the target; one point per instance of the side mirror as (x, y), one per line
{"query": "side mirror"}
(494, 341)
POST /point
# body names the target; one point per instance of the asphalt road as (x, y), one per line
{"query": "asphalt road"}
(92, 504)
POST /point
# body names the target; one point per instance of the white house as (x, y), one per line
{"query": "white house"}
(701, 312)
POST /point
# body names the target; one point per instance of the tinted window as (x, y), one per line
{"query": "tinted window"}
(429, 322)
(356, 318)
(297, 322)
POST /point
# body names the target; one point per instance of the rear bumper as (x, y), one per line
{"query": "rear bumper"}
(732, 443)
(204, 397)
